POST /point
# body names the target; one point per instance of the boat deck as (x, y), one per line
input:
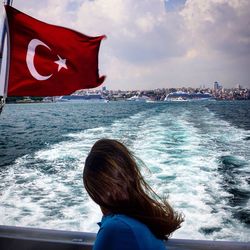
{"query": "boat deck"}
(23, 238)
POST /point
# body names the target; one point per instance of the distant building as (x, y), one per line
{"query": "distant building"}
(216, 86)
(238, 86)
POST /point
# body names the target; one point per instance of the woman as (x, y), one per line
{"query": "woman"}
(134, 217)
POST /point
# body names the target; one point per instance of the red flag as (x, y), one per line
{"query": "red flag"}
(49, 60)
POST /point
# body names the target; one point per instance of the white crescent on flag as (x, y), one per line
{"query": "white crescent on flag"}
(30, 60)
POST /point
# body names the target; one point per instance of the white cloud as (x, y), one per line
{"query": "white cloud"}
(191, 53)
(149, 47)
(221, 26)
(145, 23)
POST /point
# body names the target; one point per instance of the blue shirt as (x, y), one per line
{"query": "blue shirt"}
(120, 232)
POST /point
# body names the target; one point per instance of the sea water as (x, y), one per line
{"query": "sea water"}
(197, 154)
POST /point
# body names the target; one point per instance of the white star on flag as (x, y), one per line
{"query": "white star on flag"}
(61, 63)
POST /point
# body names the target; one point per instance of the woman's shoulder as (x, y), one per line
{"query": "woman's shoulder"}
(128, 221)
(124, 228)
(122, 221)
(114, 221)
(115, 234)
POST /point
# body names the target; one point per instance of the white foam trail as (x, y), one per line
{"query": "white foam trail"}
(45, 189)
(189, 179)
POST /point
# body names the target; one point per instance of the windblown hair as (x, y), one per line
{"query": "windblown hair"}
(113, 180)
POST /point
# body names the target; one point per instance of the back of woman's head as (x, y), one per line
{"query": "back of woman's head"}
(113, 180)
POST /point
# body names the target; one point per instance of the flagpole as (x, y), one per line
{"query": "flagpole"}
(4, 31)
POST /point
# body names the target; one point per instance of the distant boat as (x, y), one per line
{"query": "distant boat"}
(138, 98)
(151, 101)
(89, 97)
(184, 96)
(25, 100)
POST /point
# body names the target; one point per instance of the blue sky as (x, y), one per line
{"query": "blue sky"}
(174, 5)
(156, 44)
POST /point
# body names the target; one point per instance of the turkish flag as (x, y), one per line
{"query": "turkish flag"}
(49, 60)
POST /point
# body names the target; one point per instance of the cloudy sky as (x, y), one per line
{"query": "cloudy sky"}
(159, 44)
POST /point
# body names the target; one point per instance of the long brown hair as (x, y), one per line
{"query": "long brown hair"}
(113, 180)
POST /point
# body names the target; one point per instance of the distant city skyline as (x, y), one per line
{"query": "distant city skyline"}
(201, 86)
(159, 43)
(214, 86)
